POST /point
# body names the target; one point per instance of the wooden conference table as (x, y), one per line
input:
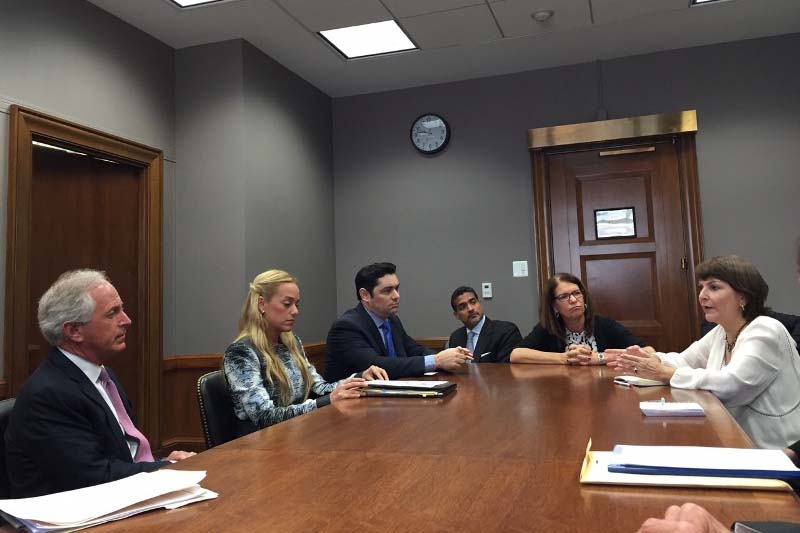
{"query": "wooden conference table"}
(502, 453)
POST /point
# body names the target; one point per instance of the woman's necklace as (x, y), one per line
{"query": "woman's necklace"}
(729, 345)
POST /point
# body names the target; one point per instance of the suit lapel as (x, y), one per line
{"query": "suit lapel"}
(460, 338)
(485, 340)
(372, 329)
(90, 391)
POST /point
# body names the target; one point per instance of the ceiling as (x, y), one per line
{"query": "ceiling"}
(458, 39)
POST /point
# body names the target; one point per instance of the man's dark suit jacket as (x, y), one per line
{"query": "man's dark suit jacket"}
(497, 337)
(62, 434)
(354, 344)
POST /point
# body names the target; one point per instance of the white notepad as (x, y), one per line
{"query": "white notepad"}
(671, 409)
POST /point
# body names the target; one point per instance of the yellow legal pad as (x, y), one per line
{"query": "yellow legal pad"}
(595, 471)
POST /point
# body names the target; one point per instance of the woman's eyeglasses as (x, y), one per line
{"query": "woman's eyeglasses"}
(578, 295)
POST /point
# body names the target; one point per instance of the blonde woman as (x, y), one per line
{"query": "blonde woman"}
(269, 377)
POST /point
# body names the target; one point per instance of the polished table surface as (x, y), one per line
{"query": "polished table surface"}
(502, 453)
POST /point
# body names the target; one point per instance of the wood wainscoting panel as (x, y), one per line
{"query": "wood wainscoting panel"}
(181, 428)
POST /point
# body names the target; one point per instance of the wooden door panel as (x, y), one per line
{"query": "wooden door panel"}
(85, 214)
(614, 190)
(636, 275)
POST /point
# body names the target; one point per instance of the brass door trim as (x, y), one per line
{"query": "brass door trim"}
(623, 151)
(610, 130)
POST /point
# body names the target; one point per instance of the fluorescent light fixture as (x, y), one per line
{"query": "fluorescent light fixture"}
(369, 39)
(694, 3)
(195, 3)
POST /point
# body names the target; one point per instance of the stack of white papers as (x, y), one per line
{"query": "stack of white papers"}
(671, 409)
(407, 384)
(636, 381)
(90, 506)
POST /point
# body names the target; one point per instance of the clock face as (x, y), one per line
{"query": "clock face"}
(430, 133)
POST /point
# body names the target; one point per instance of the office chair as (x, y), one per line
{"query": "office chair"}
(216, 409)
(6, 406)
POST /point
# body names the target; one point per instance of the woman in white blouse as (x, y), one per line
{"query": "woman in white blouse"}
(749, 361)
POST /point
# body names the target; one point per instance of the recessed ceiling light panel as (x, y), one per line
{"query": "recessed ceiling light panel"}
(369, 39)
(195, 3)
(695, 3)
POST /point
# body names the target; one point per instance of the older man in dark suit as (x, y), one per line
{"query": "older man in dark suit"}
(72, 426)
(490, 340)
(372, 334)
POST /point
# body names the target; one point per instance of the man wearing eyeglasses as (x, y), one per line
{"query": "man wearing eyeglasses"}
(490, 341)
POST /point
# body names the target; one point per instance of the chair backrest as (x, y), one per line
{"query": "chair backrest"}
(216, 409)
(6, 406)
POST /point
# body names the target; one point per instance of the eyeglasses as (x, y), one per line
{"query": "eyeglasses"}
(578, 295)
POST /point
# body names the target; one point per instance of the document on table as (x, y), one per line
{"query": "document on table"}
(671, 409)
(595, 471)
(703, 461)
(107, 502)
(636, 381)
(408, 384)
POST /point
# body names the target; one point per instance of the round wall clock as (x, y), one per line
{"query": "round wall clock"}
(430, 133)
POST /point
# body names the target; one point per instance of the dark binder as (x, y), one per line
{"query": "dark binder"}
(403, 390)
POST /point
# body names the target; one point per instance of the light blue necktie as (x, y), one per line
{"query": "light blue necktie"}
(471, 341)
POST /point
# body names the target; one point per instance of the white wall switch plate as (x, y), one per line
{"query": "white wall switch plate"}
(486, 289)
(520, 269)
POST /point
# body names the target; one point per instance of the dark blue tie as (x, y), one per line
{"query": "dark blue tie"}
(386, 329)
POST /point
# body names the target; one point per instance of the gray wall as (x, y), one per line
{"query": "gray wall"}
(289, 189)
(462, 216)
(209, 210)
(70, 59)
(253, 191)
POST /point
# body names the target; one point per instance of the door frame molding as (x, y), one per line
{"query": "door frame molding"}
(25, 124)
(679, 127)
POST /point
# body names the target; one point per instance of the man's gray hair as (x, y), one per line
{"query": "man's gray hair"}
(68, 300)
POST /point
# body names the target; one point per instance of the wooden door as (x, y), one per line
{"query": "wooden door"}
(639, 280)
(84, 214)
(99, 210)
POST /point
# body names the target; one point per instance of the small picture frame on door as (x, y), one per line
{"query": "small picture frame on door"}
(616, 223)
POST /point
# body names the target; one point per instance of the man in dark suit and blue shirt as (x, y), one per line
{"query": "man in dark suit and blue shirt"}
(491, 341)
(71, 425)
(372, 334)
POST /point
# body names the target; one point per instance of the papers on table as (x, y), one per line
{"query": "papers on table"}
(407, 384)
(116, 500)
(408, 388)
(671, 409)
(704, 461)
(595, 470)
(636, 381)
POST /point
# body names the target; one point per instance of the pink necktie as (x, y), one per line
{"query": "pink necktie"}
(143, 453)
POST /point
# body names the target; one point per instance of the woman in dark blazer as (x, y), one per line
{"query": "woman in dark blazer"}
(569, 332)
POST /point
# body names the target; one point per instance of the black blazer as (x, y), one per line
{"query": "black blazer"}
(497, 337)
(62, 434)
(354, 344)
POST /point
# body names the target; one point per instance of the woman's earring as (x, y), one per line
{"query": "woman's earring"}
(742, 306)
(557, 315)
(586, 306)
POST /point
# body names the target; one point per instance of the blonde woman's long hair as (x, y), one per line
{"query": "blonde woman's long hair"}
(252, 324)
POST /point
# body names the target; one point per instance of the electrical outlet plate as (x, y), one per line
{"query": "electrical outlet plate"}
(520, 269)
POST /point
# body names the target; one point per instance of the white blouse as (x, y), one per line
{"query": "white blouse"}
(760, 386)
